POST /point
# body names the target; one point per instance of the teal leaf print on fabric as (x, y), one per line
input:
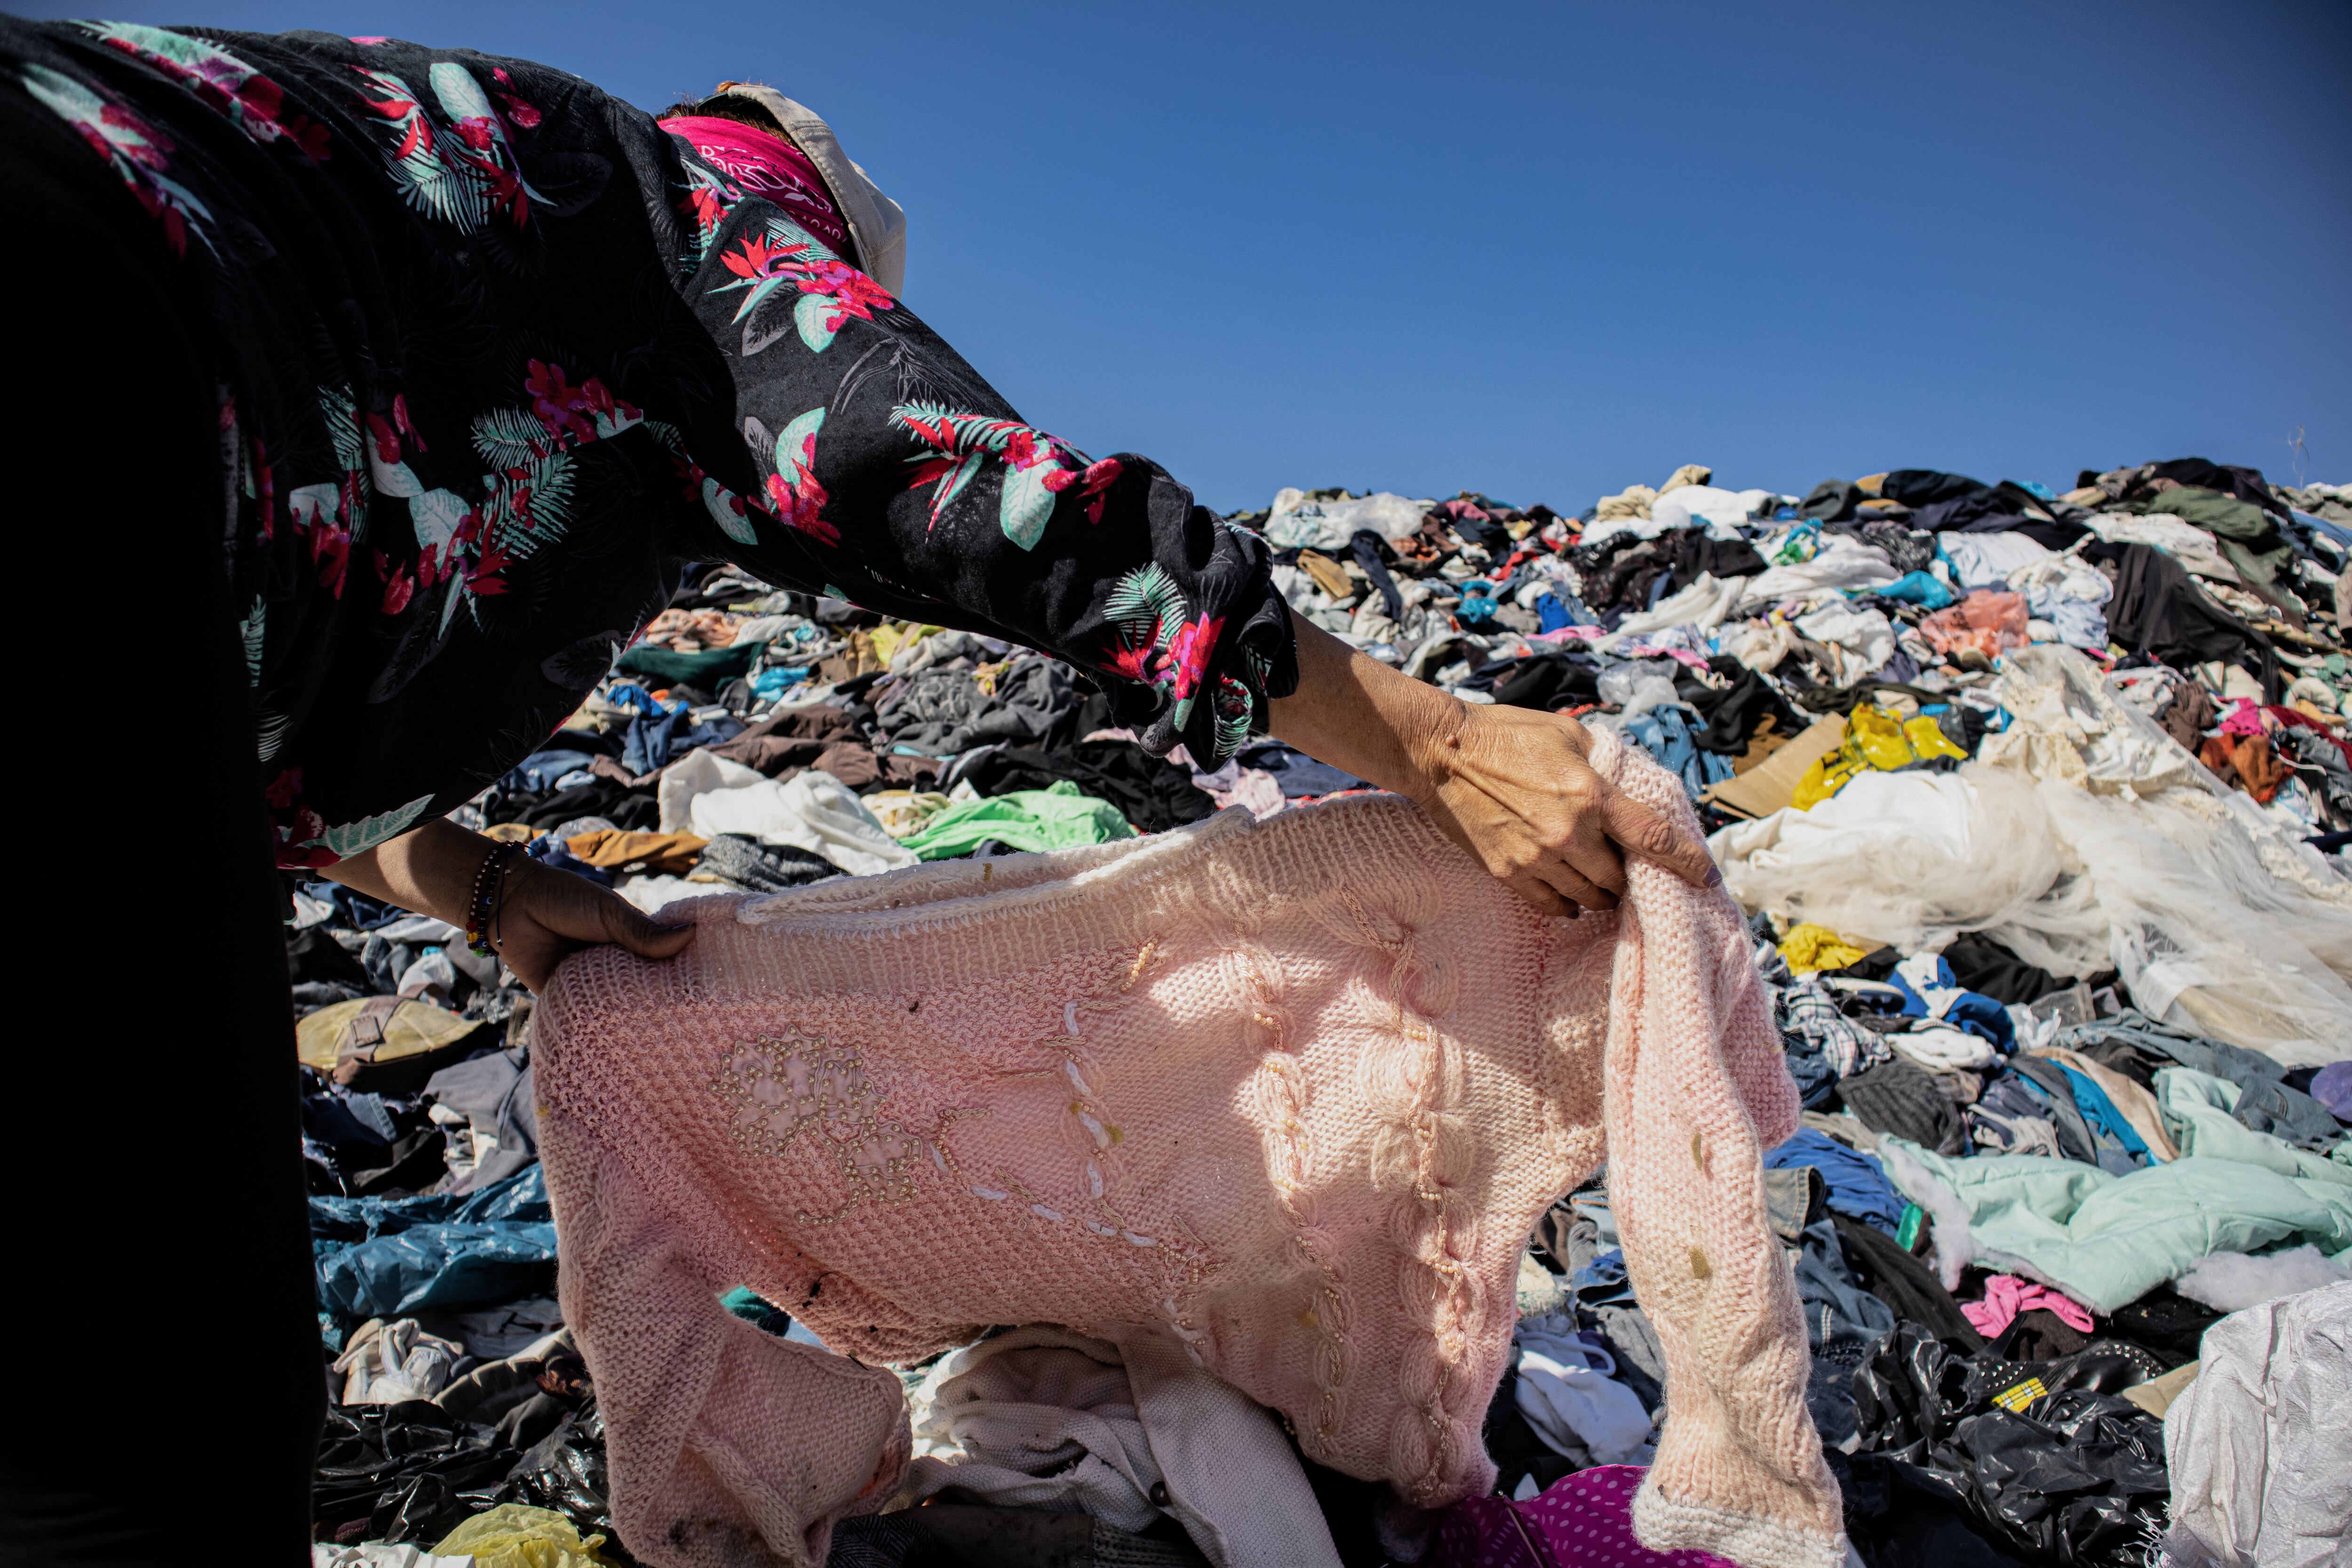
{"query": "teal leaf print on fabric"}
(331, 517)
(304, 839)
(254, 629)
(730, 511)
(709, 197)
(794, 491)
(351, 838)
(462, 174)
(527, 495)
(1236, 710)
(817, 318)
(1156, 642)
(1147, 604)
(256, 104)
(506, 438)
(1039, 467)
(1028, 505)
(136, 151)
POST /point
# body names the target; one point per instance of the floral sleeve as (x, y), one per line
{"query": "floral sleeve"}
(889, 474)
(496, 356)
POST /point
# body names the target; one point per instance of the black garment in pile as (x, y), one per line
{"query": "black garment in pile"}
(1901, 1098)
(2158, 611)
(1832, 500)
(1983, 965)
(1883, 1268)
(631, 810)
(1152, 794)
(1921, 488)
(2038, 1334)
(1546, 681)
(1907, 1516)
(2052, 1464)
(1732, 715)
(764, 868)
(1372, 554)
(1908, 548)
(1693, 550)
(2166, 1323)
(2242, 484)
(1977, 511)
(1623, 574)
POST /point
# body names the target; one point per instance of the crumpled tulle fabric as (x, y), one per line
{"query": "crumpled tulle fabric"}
(2083, 837)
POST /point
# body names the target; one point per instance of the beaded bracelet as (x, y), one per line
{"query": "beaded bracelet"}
(482, 904)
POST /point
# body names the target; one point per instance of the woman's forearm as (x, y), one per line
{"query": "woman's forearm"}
(539, 915)
(429, 870)
(1356, 714)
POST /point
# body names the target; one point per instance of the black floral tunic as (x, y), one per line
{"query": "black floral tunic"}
(497, 357)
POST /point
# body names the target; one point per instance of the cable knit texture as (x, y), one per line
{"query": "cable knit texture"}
(1292, 1092)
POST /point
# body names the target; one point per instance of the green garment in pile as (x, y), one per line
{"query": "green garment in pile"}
(2248, 536)
(2108, 1240)
(709, 669)
(1056, 818)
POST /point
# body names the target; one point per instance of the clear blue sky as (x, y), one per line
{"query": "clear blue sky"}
(1549, 251)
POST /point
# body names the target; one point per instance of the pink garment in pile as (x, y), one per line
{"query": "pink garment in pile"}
(1286, 1094)
(2006, 1296)
(1583, 1521)
(765, 165)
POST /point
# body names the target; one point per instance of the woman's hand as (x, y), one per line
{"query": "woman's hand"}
(548, 913)
(1509, 785)
(543, 915)
(1513, 786)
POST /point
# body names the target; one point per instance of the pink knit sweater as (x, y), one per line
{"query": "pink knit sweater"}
(1292, 1092)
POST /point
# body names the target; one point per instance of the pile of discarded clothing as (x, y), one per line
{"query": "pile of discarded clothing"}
(2039, 804)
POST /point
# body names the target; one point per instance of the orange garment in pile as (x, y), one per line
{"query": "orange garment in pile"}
(1291, 1093)
(1988, 622)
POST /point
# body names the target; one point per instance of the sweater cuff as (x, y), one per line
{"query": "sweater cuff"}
(1662, 1524)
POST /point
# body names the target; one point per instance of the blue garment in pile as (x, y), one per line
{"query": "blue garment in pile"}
(389, 1257)
(1858, 1186)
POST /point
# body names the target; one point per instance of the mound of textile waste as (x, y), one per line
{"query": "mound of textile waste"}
(2039, 804)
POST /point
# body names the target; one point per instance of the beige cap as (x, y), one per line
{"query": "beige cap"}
(876, 224)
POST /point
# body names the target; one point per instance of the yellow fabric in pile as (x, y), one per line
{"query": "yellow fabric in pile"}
(1810, 947)
(513, 1536)
(414, 1028)
(1874, 738)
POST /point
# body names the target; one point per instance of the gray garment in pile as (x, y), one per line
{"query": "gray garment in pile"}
(940, 712)
(493, 1093)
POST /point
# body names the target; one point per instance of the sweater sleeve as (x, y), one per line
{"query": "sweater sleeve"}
(1695, 1092)
(870, 462)
(729, 1447)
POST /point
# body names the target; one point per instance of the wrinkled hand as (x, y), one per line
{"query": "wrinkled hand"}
(547, 914)
(1513, 787)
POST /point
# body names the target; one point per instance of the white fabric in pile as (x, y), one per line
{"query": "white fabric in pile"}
(708, 795)
(1043, 1417)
